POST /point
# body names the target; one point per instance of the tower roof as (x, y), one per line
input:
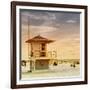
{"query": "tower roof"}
(39, 39)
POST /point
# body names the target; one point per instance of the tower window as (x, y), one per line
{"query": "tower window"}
(43, 46)
(31, 54)
(43, 54)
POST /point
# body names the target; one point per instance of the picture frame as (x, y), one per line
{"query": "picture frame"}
(56, 19)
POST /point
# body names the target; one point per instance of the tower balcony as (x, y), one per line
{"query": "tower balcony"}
(44, 55)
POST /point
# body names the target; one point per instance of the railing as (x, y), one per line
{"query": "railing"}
(48, 54)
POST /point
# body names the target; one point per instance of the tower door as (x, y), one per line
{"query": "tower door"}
(41, 64)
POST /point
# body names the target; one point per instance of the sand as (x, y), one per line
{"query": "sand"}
(61, 70)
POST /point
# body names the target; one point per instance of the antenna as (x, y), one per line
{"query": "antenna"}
(28, 33)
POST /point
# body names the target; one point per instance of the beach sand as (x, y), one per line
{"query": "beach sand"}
(61, 70)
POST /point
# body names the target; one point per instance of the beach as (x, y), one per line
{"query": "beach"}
(60, 71)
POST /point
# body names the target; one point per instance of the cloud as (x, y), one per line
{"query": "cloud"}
(71, 21)
(49, 18)
(39, 29)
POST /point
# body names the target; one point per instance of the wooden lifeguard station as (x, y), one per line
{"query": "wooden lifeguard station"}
(38, 53)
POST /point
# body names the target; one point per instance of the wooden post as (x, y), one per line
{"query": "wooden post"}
(34, 65)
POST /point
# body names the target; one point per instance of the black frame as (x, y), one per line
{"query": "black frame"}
(13, 44)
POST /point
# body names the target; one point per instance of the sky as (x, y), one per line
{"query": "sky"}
(63, 27)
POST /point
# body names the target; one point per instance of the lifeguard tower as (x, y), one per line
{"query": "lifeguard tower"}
(39, 59)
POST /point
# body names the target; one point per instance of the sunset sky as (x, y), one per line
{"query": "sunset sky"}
(63, 27)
